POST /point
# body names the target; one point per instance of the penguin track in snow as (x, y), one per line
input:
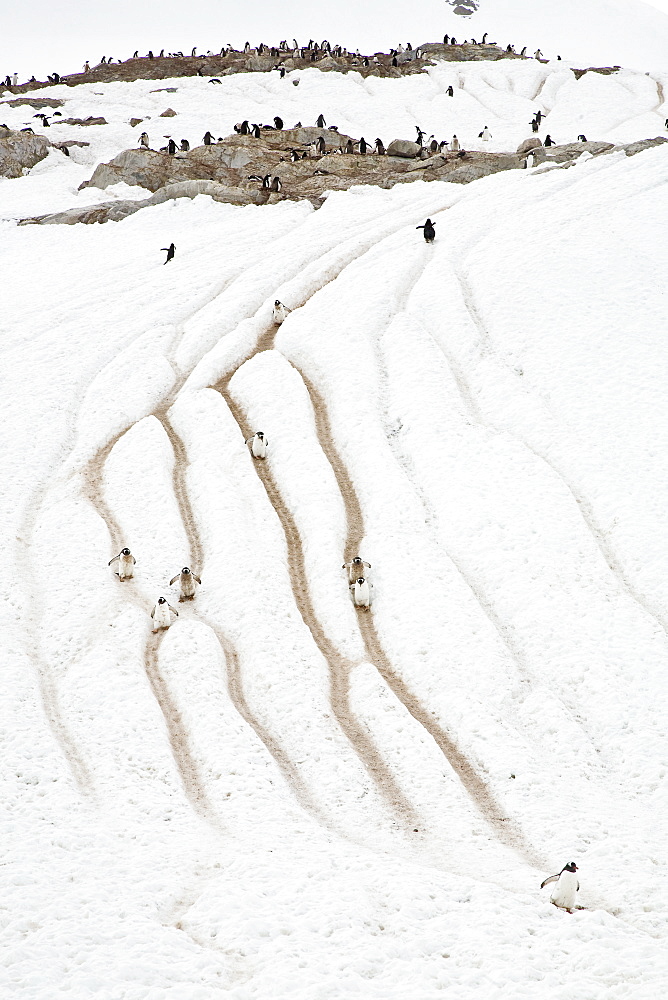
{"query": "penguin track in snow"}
(339, 666)
(471, 781)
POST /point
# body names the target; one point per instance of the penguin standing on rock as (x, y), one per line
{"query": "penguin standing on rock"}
(143, 140)
(187, 580)
(429, 231)
(380, 148)
(161, 614)
(278, 123)
(361, 592)
(355, 568)
(126, 564)
(320, 121)
(207, 139)
(549, 141)
(563, 894)
(258, 445)
(185, 145)
(171, 250)
(454, 145)
(171, 147)
(281, 312)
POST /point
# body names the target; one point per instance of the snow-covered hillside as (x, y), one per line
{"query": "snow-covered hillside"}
(282, 796)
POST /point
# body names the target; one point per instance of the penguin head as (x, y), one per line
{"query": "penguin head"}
(260, 434)
(571, 867)
(357, 559)
(125, 552)
(360, 580)
(185, 571)
(162, 600)
(277, 302)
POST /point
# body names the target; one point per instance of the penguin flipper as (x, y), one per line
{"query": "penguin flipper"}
(153, 613)
(174, 579)
(198, 580)
(552, 878)
(113, 560)
(173, 609)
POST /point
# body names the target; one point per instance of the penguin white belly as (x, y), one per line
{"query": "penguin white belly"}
(259, 447)
(125, 568)
(361, 595)
(565, 890)
(187, 586)
(161, 617)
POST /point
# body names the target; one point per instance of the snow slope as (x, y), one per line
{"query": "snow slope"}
(282, 796)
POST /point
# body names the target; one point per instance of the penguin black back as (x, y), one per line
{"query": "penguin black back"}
(428, 231)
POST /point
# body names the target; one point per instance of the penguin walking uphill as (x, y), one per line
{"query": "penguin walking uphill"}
(428, 231)
(361, 593)
(258, 445)
(162, 614)
(355, 568)
(126, 564)
(565, 888)
(187, 580)
(171, 250)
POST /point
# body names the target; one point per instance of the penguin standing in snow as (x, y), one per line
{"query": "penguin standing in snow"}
(280, 312)
(187, 580)
(450, 91)
(126, 564)
(429, 231)
(563, 894)
(485, 134)
(161, 614)
(171, 250)
(361, 591)
(258, 445)
(355, 568)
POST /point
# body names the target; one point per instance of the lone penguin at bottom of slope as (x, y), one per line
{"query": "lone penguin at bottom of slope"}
(162, 614)
(280, 312)
(258, 445)
(428, 231)
(361, 591)
(187, 580)
(126, 564)
(171, 250)
(566, 886)
(355, 568)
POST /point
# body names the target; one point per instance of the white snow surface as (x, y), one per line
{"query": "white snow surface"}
(283, 796)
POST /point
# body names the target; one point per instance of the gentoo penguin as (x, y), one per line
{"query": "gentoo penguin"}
(295, 155)
(126, 563)
(276, 184)
(86, 67)
(278, 123)
(443, 146)
(538, 54)
(446, 39)
(433, 146)
(185, 145)
(349, 146)
(135, 54)
(281, 312)
(320, 145)
(187, 580)
(454, 145)
(485, 134)
(255, 131)
(161, 614)
(395, 61)
(355, 568)
(538, 115)
(207, 139)
(524, 51)
(532, 160)
(582, 138)
(563, 894)
(171, 147)
(258, 445)
(450, 91)
(361, 591)
(380, 149)
(320, 121)
(420, 135)
(171, 250)
(549, 141)
(363, 146)
(484, 38)
(665, 124)
(429, 231)
(534, 125)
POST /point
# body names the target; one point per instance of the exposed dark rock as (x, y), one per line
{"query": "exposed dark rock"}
(84, 121)
(404, 148)
(34, 102)
(136, 121)
(169, 113)
(528, 144)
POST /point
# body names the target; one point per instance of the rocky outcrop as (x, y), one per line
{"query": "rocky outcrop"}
(84, 121)
(527, 145)
(114, 211)
(567, 154)
(404, 148)
(19, 151)
(169, 113)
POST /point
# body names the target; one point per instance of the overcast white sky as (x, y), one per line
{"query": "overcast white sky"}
(40, 37)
